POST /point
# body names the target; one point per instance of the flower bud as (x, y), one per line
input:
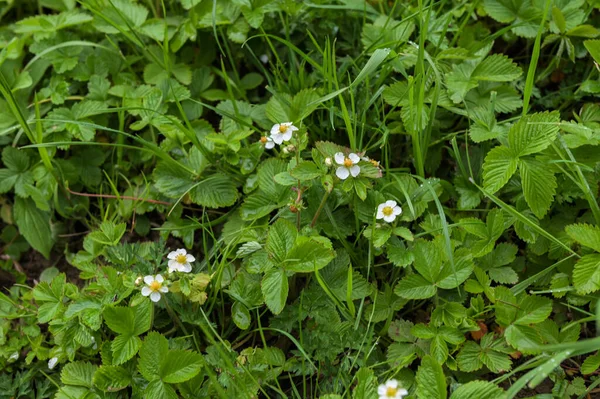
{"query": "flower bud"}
(328, 161)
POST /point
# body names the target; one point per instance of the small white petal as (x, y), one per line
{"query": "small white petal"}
(190, 258)
(163, 289)
(380, 215)
(354, 170)
(397, 210)
(148, 279)
(275, 129)
(354, 158)
(402, 392)
(339, 158)
(155, 296)
(342, 173)
(181, 251)
(146, 291)
(159, 278)
(293, 128)
(389, 218)
(380, 207)
(270, 144)
(172, 255)
(391, 384)
(287, 135)
(277, 138)
(391, 203)
(264, 58)
(186, 268)
(381, 390)
(52, 363)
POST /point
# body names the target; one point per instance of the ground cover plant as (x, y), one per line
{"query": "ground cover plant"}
(299, 199)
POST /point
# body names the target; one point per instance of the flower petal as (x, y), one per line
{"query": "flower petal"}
(354, 158)
(389, 218)
(163, 289)
(146, 291)
(181, 251)
(397, 210)
(148, 279)
(277, 138)
(270, 144)
(275, 129)
(381, 390)
(172, 255)
(339, 158)
(155, 296)
(354, 170)
(190, 258)
(342, 173)
(159, 278)
(293, 128)
(391, 203)
(287, 135)
(379, 215)
(186, 268)
(391, 383)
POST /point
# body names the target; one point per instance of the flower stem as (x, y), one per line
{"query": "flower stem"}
(321, 205)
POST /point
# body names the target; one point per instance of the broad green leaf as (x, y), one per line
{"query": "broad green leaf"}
(215, 191)
(124, 347)
(586, 274)
(120, 319)
(179, 366)
(309, 254)
(497, 68)
(112, 378)
(499, 166)
(153, 351)
(524, 338)
(593, 47)
(478, 390)
(306, 170)
(78, 373)
(428, 259)
(34, 225)
(431, 382)
(240, 315)
(366, 387)
(539, 185)
(158, 389)
(533, 133)
(274, 287)
(585, 234)
(415, 287)
(281, 239)
(532, 309)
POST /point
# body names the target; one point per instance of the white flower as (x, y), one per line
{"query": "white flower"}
(179, 261)
(264, 58)
(268, 142)
(390, 390)
(52, 362)
(388, 211)
(154, 286)
(281, 132)
(348, 165)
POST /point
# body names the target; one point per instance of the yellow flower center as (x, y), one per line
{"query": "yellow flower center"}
(348, 162)
(155, 285)
(283, 128)
(263, 139)
(391, 392)
(181, 258)
(388, 210)
(374, 163)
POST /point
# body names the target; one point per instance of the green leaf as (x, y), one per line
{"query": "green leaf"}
(539, 185)
(524, 338)
(590, 364)
(78, 373)
(240, 315)
(585, 234)
(428, 259)
(281, 239)
(533, 133)
(499, 166)
(431, 382)
(478, 390)
(274, 287)
(112, 378)
(586, 274)
(160, 390)
(215, 191)
(120, 319)
(124, 347)
(415, 287)
(593, 47)
(34, 225)
(497, 68)
(179, 366)
(533, 309)
(153, 351)
(366, 386)
(309, 254)
(306, 170)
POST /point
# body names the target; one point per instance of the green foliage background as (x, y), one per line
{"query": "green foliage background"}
(132, 128)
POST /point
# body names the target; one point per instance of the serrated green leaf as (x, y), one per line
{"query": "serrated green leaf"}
(415, 287)
(431, 383)
(593, 47)
(585, 234)
(124, 347)
(34, 225)
(78, 373)
(539, 185)
(309, 254)
(179, 366)
(586, 274)
(281, 239)
(275, 288)
(215, 191)
(154, 349)
(499, 166)
(533, 133)
(112, 378)
(478, 390)
(497, 68)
